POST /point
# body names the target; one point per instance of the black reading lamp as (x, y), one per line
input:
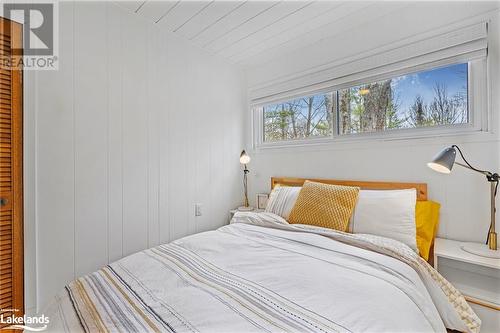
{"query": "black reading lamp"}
(443, 162)
(245, 159)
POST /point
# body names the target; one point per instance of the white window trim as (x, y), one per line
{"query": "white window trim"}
(477, 99)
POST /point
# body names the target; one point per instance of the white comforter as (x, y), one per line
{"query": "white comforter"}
(261, 274)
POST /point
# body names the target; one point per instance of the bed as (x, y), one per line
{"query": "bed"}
(262, 274)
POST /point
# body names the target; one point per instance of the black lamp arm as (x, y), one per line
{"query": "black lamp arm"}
(494, 180)
(492, 177)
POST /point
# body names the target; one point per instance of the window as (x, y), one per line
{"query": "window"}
(300, 118)
(429, 98)
(436, 97)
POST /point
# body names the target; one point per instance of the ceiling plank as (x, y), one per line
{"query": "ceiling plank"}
(249, 10)
(300, 17)
(155, 10)
(182, 13)
(274, 14)
(345, 17)
(210, 16)
(132, 6)
(363, 18)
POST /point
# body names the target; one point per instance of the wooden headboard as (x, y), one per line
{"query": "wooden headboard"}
(421, 187)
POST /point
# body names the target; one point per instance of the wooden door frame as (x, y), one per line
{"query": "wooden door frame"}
(17, 172)
(16, 35)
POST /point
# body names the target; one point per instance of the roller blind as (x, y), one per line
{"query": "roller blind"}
(465, 44)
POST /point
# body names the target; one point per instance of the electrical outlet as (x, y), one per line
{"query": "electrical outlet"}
(198, 209)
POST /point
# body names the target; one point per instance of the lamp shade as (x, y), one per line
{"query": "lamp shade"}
(244, 158)
(444, 160)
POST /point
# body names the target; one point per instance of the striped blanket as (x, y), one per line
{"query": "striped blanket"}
(260, 274)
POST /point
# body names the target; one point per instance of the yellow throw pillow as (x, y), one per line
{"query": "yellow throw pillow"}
(323, 205)
(427, 221)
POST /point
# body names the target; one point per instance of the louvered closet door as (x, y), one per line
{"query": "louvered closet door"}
(11, 200)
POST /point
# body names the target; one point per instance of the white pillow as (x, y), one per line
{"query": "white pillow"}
(387, 213)
(282, 199)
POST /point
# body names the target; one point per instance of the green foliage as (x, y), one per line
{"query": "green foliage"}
(300, 118)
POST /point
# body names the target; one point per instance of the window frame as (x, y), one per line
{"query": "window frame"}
(477, 98)
(333, 128)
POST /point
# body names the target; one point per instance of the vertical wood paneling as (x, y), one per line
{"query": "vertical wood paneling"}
(165, 98)
(135, 136)
(211, 134)
(154, 89)
(201, 144)
(216, 177)
(233, 128)
(126, 142)
(115, 66)
(55, 167)
(91, 138)
(193, 107)
(179, 91)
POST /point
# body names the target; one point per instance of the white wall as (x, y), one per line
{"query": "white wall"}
(464, 195)
(132, 130)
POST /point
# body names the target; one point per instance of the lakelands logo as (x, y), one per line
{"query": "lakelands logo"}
(9, 321)
(40, 35)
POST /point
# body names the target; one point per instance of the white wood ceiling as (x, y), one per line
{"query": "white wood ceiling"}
(249, 32)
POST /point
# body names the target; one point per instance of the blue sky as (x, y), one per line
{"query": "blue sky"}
(407, 87)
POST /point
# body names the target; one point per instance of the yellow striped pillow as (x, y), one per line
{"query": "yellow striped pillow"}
(323, 205)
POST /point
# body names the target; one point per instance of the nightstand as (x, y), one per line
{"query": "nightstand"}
(477, 278)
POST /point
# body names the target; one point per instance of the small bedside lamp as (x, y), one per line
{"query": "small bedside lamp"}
(443, 162)
(245, 159)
